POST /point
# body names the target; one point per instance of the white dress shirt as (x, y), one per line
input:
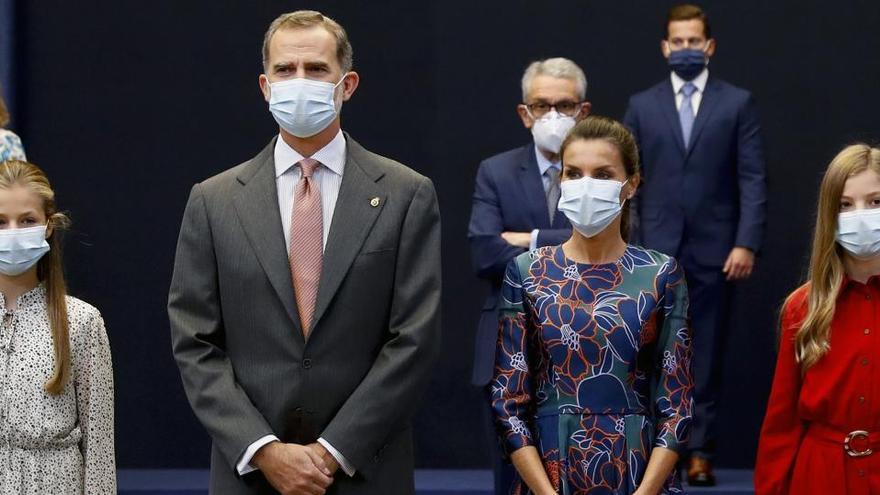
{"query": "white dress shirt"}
(543, 165)
(697, 96)
(328, 178)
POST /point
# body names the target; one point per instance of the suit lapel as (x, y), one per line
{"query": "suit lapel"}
(533, 188)
(257, 208)
(666, 102)
(352, 221)
(707, 104)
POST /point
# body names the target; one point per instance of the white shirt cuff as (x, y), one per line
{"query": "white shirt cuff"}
(244, 464)
(343, 462)
(533, 243)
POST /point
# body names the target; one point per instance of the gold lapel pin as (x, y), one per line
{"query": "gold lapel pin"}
(374, 202)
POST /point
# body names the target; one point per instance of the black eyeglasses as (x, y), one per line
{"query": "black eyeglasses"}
(568, 108)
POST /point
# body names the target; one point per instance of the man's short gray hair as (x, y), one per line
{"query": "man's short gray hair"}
(559, 67)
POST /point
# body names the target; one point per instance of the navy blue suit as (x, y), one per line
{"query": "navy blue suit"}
(696, 203)
(508, 197)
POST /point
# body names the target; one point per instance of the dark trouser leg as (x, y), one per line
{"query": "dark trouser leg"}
(503, 470)
(709, 295)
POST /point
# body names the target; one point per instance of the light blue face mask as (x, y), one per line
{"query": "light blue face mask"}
(303, 107)
(20, 249)
(858, 231)
(590, 204)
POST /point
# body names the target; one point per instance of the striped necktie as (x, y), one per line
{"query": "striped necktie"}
(306, 242)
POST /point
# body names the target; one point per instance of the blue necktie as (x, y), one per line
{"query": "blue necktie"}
(686, 112)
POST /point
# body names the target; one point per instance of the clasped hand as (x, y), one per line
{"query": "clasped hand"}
(296, 469)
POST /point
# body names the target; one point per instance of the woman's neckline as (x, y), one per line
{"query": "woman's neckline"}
(569, 260)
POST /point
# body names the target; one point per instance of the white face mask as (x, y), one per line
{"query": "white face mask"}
(20, 249)
(550, 130)
(590, 204)
(303, 107)
(859, 232)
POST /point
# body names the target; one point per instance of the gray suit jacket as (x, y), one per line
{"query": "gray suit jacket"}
(246, 368)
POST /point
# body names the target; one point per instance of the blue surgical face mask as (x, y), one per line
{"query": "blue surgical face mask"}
(590, 204)
(858, 232)
(688, 63)
(303, 107)
(20, 249)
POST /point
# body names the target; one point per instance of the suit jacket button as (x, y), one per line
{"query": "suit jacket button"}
(307, 363)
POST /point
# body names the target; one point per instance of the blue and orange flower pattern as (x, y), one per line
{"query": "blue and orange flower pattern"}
(593, 367)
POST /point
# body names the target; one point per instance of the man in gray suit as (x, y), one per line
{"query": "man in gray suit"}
(305, 299)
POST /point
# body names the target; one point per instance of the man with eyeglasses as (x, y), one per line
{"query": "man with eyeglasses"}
(702, 199)
(514, 203)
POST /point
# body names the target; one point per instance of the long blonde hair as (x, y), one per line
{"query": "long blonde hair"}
(826, 259)
(49, 268)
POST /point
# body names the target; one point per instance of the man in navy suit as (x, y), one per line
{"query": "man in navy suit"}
(515, 197)
(703, 198)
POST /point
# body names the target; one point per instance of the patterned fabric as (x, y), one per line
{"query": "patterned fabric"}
(593, 366)
(55, 443)
(306, 243)
(10, 146)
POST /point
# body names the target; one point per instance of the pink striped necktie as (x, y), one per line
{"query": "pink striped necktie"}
(306, 242)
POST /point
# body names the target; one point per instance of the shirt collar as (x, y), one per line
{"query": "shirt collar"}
(331, 156)
(544, 163)
(33, 297)
(699, 81)
(847, 282)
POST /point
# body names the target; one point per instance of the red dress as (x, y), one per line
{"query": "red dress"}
(801, 450)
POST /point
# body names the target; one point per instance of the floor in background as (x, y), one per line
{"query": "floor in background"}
(428, 482)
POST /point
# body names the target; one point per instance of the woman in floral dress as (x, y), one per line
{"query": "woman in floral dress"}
(592, 391)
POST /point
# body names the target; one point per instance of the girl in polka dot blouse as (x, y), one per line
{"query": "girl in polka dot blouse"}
(56, 379)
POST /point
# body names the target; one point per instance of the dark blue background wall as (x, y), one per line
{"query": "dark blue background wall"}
(7, 50)
(127, 104)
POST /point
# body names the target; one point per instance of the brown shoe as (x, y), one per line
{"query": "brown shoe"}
(700, 472)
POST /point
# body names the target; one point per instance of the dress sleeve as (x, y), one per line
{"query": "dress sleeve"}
(512, 386)
(673, 391)
(93, 381)
(783, 430)
(17, 149)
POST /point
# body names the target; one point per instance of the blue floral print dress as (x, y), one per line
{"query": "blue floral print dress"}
(593, 366)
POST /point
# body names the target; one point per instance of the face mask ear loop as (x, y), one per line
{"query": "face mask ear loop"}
(340, 81)
(334, 92)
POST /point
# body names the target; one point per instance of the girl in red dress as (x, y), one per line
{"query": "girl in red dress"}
(821, 433)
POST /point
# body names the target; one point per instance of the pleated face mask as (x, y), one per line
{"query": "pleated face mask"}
(20, 249)
(590, 204)
(303, 107)
(858, 232)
